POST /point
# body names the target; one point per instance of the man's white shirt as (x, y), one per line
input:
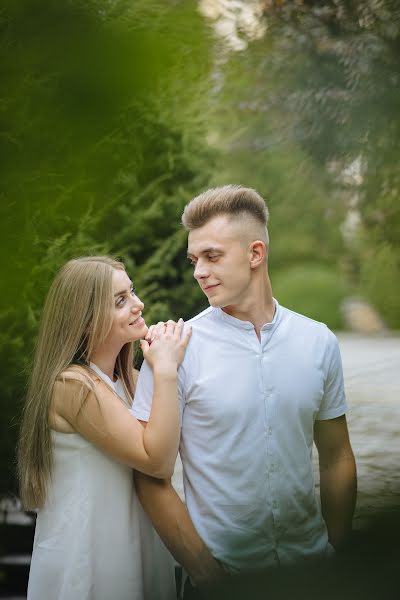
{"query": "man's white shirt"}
(248, 409)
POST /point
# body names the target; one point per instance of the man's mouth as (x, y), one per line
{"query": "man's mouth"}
(210, 287)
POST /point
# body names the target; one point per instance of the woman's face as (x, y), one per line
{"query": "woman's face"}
(128, 324)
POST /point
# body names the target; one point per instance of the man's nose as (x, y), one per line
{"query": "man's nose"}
(200, 270)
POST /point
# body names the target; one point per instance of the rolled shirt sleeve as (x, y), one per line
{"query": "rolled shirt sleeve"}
(144, 390)
(141, 406)
(334, 401)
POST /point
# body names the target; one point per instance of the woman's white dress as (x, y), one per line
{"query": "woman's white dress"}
(93, 540)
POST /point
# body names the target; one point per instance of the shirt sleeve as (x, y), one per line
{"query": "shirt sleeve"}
(143, 398)
(334, 401)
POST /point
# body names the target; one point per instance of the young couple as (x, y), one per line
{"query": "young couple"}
(244, 390)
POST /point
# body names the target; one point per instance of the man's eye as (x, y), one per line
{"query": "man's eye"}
(212, 258)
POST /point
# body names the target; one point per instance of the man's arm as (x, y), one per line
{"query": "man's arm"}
(338, 479)
(172, 522)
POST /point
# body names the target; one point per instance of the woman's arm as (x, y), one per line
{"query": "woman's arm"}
(104, 420)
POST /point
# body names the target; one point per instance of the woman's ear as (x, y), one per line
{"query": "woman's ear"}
(258, 253)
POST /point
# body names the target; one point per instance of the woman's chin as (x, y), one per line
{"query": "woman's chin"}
(141, 332)
(144, 332)
(137, 334)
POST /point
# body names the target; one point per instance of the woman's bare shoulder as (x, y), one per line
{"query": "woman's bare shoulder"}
(78, 373)
(75, 389)
(77, 383)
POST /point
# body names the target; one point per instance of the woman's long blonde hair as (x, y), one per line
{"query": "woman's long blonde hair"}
(76, 318)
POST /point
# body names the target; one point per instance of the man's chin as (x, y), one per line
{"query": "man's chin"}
(215, 303)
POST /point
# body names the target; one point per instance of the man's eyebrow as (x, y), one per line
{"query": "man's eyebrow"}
(206, 251)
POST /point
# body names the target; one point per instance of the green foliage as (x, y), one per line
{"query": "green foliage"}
(102, 144)
(313, 290)
(380, 277)
(304, 216)
(321, 88)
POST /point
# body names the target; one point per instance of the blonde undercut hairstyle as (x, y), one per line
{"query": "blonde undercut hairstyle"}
(77, 317)
(231, 200)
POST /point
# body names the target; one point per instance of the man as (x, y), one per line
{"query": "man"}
(258, 384)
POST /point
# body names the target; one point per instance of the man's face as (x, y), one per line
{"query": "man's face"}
(221, 260)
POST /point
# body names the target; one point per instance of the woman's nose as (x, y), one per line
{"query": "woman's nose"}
(137, 303)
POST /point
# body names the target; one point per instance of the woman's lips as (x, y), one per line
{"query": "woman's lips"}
(138, 322)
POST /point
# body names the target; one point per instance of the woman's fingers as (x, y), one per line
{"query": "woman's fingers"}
(187, 336)
(169, 343)
(156, 330)
(170, 327)
(150, 333)
(144, 345)
(179, 328)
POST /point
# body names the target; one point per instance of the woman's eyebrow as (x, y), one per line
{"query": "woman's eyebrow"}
(122, 292)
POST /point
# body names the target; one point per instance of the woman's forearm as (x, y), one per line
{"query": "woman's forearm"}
(162, 434)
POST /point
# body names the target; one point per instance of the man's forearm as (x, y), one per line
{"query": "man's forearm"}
(174, 525)
(338, 484)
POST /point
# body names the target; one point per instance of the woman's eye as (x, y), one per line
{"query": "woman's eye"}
(120, 301)
(133, 291)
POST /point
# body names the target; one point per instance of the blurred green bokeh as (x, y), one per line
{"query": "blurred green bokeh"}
(313, 290)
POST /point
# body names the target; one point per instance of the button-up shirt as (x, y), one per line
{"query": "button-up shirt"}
(248, 408)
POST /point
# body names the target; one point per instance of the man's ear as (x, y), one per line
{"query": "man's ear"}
(258, 253)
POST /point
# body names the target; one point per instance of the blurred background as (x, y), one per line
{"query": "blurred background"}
(115, 113)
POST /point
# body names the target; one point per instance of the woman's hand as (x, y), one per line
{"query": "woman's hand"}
(152, 331)
(165, 346)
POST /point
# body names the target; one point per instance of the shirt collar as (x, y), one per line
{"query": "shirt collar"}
(238, 323)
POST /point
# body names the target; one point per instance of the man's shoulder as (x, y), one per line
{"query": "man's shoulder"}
(206, 327)
(202, 318)
(307, 324)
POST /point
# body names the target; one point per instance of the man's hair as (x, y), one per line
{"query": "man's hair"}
(230, 200)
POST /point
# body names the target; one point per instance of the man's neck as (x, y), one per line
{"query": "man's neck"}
(258, 307)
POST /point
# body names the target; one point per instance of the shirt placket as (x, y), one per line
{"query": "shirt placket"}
(272, 466)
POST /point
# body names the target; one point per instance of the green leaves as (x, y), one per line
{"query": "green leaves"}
(102, 144)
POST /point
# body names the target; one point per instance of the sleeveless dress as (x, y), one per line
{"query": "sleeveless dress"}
(93, 541)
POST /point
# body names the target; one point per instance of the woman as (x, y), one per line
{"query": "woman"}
(79, 442)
